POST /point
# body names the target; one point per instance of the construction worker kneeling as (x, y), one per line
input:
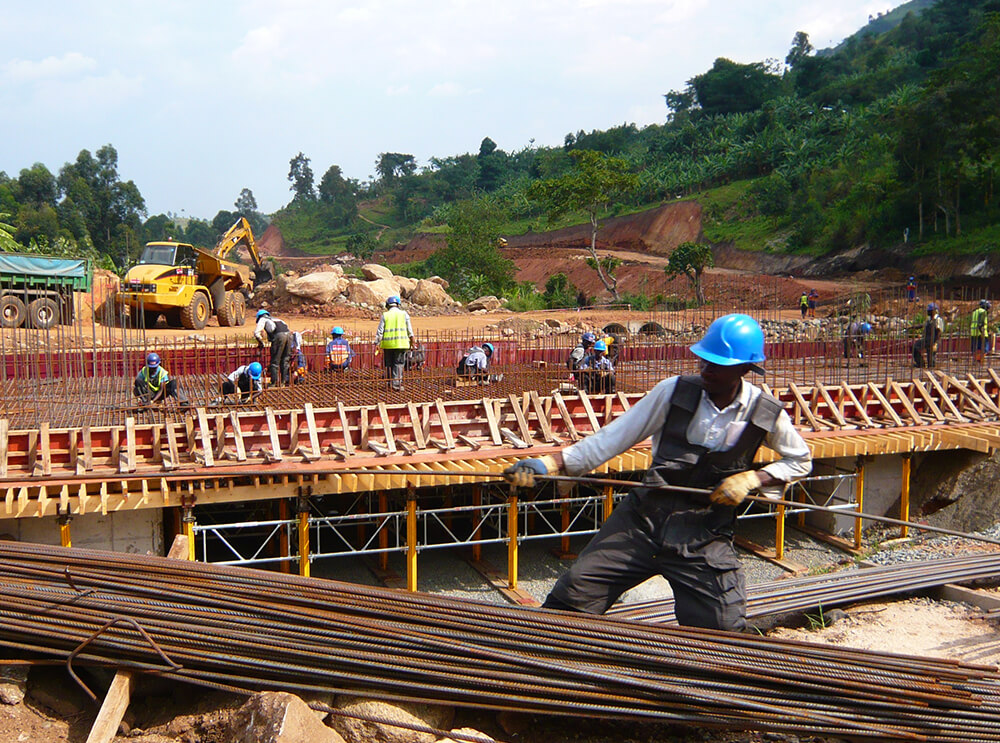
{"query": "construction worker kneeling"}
(596, 373)
(706, 430)
(475, 365)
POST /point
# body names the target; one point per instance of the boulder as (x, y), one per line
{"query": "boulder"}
(13, 684)
(406, 285)
(430, 294)
(488, 303)
(279, 717)
(375, 271)
(438, 280)
(371, 292)
(318, 287)
(424, 715)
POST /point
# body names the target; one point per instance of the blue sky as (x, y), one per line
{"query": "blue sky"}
(202, 99)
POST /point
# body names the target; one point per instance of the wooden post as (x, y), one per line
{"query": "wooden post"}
(477, 515)
(383, 531)
(283, 546)
(411, 538)
(303, 514)
(512, 540)
(904, 497)
(859, 496)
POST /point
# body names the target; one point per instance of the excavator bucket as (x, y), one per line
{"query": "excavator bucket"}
(261, 275)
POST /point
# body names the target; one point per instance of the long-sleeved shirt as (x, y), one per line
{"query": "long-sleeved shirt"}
(477, 359)
(265, 326)
(597, 363)
(718, 430)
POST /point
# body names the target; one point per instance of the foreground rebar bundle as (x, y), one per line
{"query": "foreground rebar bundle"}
(255, 630)
(834, 589)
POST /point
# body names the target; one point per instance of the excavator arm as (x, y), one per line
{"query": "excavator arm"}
(241, 233)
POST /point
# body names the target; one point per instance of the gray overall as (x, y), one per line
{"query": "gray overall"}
(682, 537)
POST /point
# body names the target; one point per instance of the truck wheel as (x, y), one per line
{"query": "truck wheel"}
(43, 313)
(12, 311)
(234, 311)
(225, 311)
(195, 315)
(150, 318)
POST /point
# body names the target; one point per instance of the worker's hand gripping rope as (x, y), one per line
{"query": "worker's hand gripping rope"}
(522, 474)
(734, 489)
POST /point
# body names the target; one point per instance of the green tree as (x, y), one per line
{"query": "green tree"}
(691, 259)
(393, 165)
(491, 163)
(199, 232)
(246, 206)
(473, 246)
(338, 197)
(362, 245)
(801, 48)
(731, 87)
(594, 182)
(301, 176)
(7, 242)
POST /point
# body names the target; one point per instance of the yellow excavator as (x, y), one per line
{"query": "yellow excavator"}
(188, 284)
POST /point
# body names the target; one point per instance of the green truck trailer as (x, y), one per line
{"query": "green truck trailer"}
(37, 290)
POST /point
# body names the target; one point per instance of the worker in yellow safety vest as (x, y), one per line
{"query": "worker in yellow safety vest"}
(979, 330)
(394, 336)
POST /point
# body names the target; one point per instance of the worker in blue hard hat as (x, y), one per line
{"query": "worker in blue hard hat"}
(706, 429)
(597, 372)
(475, 364)
(154, 385)
(276, 333)
(247, 379)
(338, 351)
(855, 334)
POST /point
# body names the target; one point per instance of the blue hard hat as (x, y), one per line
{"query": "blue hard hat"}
(731, 340)
(393, 300)
(600, 346)
(488, 347)
(337, 330)
(153, 360)
(912, 278)
(932, 306)
(255, 370)
(588, 338)
(866, 327)
(261, 313)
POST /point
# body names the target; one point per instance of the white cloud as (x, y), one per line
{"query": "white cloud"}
(447, 90)
(71, 64)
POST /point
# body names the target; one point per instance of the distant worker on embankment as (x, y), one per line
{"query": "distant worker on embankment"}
(706, 430)
(395, 336)
(979, 329)
(153, 384)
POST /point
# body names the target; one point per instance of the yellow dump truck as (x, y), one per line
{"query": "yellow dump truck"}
(188, 284)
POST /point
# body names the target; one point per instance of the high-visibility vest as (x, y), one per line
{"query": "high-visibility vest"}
(803, 301)
(338, 353)
(394, 333)
(153, 385)
(980, 323)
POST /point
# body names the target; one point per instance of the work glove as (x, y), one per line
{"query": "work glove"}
(735, 488)
(522, 474)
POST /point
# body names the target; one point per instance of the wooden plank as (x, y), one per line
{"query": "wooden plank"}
(383, 414)
(886, 405)
(567, 418)
(907, 405)
(831, 406)
(294, 426)
(513, 439)
(522, 422)
(206, 437)
(220, 436)
(977, 396)
(4, 429)
(272, 431)
(624, 401)
(313, 434)
(803, 406)
(127, 462)
(469, 441)
(491, 420)
(917, 385)
(945, 400)
(345, 428)
(88, 450)
(46, 447)
(241, 449)
(418, 431)
(543, 419)
(171, 448)
(449, 440)
(589, 409)
(363, 426)
(116, 701)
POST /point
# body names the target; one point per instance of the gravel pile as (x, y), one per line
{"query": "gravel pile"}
(929, 547)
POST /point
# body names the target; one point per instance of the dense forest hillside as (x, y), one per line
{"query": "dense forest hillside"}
(892, 136)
